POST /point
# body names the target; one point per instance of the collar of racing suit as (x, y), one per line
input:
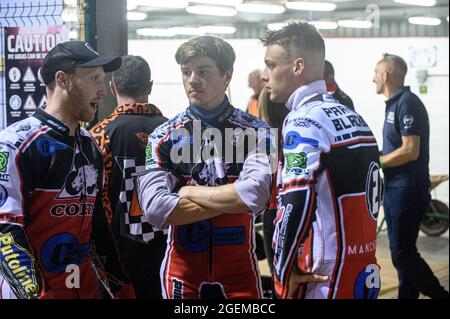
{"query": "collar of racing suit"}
(304, 93)
(210, 115)
(137, 108)
(51, 121)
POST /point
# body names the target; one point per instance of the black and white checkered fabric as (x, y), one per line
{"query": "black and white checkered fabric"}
(134, 227)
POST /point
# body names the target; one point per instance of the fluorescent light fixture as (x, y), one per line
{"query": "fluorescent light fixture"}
(212, 11)
(136, 16)
(185, 30)
(217, 29)
(361, 24)
(260, 8)
(153, 32)
(276, 26)
(219, 2)
(70, 2)
(425, 3)
(73, 34)
(132, 5)
(324, 25)
(424, 20)
(168, 4)
(69, 14)
(310, 6)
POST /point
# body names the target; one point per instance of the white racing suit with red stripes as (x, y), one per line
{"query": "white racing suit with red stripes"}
(330, 193)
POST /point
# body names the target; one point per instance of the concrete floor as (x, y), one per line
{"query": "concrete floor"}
(434, 250)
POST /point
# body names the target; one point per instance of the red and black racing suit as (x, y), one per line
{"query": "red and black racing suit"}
(51, 221)
(214, 258)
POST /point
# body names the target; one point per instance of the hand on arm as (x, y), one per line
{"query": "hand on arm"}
(408, 152)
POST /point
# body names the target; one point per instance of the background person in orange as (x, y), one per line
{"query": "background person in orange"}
(255, 83)
(123, 137)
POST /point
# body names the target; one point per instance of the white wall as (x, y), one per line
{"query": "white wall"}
(354, 61)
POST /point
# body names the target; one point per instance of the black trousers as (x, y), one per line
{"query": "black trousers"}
(404, 208)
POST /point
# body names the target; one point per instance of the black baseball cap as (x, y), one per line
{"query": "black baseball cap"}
(75, 54)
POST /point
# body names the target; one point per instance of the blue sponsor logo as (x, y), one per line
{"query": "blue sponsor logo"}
(367, 284)
(181, 139)
(293, 139)
(47, 147)
(61, 250)
(229, 236)
(197, 238)
(194, 237)
(3, 195)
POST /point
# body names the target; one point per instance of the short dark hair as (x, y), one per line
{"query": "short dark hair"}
(133, 77)
(220, 51)
(298, 39)
(328, 68)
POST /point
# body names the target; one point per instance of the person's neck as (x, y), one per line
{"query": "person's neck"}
(57, 110)
(331, 86)
(121, 100)
(209, 113)
(390, 90)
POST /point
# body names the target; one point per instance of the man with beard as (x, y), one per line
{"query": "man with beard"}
(51, 228)
(123, 137)
(210, 251)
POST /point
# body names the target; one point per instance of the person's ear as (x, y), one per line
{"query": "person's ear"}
(228, 75)
(113, 88)
(61, 79)
(386, 76)
(299, 66)
(150, 87)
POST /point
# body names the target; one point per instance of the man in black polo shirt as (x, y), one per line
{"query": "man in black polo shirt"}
(404, 161)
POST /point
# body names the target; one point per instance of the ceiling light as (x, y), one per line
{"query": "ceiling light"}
(70, 2)
(324, 25)
(212, 11)
(425, 3)
(69, 14)
(73, 34)
(310, 6)
(260, 8)
(217, 29)
(152, 32)
(219, 2)
(136, 16)
(276, 26)
(172, 4)
(185, 31)
(424, 21)
(362, 24)
(132, 4)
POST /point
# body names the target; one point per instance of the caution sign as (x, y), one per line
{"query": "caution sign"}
(29, 103)
(29, 76)
(25, 49)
